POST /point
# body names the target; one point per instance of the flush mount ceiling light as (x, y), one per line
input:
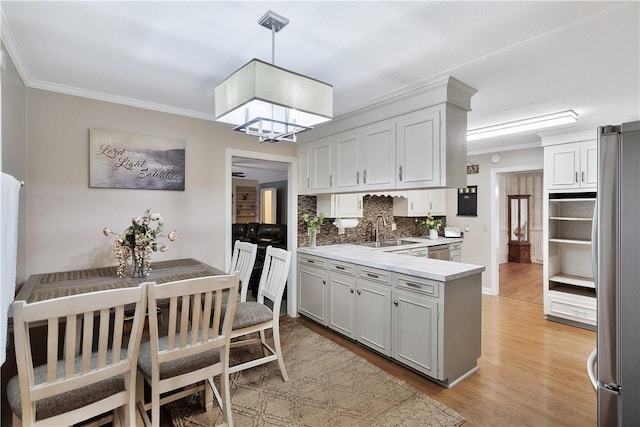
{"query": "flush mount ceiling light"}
(531, 123)
(270, 102)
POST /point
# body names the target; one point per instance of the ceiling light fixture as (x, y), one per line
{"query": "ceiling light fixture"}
(531, 123)
(270, 102)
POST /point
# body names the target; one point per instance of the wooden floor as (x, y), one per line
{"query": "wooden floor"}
(521, 281)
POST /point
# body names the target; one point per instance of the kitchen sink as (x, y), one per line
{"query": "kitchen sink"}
(387, 243)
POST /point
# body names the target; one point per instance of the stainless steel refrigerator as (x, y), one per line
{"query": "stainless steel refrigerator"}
(616, 253)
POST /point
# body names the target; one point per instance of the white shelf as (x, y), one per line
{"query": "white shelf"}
(573, 200)
(567, 218)
(585, 282)
(571, 241)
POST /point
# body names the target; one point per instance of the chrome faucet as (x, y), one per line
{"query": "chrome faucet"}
(384, 224)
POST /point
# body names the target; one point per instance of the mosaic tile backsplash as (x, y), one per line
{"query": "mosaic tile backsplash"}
(364, 231)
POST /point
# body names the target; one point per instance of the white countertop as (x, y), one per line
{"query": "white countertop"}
(434, 269)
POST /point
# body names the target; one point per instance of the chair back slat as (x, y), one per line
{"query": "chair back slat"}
(242, 261)
(68, 371)
(274, 274)
(87, 341)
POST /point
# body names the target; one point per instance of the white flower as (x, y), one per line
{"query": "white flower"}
(173, 236)
(106, 231)
(156, 216)
(164, 248)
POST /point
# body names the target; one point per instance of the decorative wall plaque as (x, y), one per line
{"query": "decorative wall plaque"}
(126, 160)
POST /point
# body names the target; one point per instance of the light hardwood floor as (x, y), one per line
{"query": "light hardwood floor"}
(521, 281)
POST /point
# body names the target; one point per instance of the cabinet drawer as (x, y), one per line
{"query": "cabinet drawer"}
(455, 246)
(420, 252)
(375, 275)
(342, 267)
(418, 284)
(312, 261)
(572, 310)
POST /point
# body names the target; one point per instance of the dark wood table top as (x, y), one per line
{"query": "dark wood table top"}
(40, 287)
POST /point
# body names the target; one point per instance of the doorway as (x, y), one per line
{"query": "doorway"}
(526, 179)
(270, 170)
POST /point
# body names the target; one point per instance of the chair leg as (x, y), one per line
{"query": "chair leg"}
(263, 343)
(278, 348)
(225, 391)
(140, 381)
(16, 422)
(208, 397)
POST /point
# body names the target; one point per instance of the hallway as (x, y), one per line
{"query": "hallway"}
(521, 281)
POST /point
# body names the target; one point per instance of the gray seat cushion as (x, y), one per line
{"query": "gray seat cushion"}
(65, 402)
(251, 313)
(176, 367)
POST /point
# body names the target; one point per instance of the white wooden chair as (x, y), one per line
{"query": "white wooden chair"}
(257, 317)
(71, 388)
(243, 260)
(196, 347)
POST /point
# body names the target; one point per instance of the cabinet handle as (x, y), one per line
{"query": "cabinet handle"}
(311, 261)
(582, 176)
(395, 303)
(576, 177)
(324, 282)
(375, 276)
(339, 267)
(358, 291)
(308, 183)
(400, 172)
(364, 177)
(351, 290)
(330, 180)
(413, 285)
(412, 206)
(358, 177)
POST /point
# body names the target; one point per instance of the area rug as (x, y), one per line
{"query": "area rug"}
(329, 386)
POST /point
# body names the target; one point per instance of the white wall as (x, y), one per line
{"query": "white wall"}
(65, 217)
(477, 247)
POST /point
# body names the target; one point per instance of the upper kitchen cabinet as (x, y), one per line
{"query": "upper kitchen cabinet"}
(418, 203)
(572, 165)
(411, 141)
(304, 172)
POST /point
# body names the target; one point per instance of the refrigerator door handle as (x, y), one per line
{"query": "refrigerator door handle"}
(594, 242)
(591, 368)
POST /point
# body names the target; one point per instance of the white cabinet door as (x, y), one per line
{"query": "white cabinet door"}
(347, 205)
(304, 173)
(437, 201)
(373, 315)
(415, 331)
(378, 156)
(342, 307)
(321, 166)
(571, 166)
(312, 287)
(347, 161)
(589, 164)
(418, 149)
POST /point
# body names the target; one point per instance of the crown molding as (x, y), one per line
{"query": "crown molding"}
(499, 149)
(12, 48)
(101, 96)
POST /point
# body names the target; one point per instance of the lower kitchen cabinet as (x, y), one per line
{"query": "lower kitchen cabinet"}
(415, 331)
(430, 326)
(312, 280)
(342, 305)
(373, 310)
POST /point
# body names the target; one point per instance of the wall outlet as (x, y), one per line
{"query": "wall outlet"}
(467, 228)
(394, 226)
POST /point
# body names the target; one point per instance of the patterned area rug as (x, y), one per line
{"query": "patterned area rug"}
(329, 386)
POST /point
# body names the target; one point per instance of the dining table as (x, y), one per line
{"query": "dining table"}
(44, 286)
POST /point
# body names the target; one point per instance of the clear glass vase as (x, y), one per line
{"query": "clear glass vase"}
(312, 238)
(139, 265)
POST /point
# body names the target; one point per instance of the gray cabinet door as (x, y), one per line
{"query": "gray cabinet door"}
(415, 331)
(342, 315)
(312, 284)
(373, 312)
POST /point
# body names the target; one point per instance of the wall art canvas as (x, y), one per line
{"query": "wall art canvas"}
(126, 160)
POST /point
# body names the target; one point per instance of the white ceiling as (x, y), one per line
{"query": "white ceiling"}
(524, 58)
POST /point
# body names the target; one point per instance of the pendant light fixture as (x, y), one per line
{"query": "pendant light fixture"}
(270, 102)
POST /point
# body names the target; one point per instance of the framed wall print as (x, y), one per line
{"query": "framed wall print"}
(126, 160)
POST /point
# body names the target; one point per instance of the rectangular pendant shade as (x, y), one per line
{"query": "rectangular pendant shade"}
(263, 98)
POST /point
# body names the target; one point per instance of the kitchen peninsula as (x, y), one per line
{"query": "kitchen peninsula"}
(423, 313)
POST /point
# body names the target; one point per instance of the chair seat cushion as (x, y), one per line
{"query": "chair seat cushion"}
(251, 313)
(65, 402)
(175, 367)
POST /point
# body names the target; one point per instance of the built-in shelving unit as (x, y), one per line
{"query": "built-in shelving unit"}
(246, 204)
(569, 284)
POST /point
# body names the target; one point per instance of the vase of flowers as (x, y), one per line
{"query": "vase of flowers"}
(432, 225)
(313, 225)
(138, 241)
